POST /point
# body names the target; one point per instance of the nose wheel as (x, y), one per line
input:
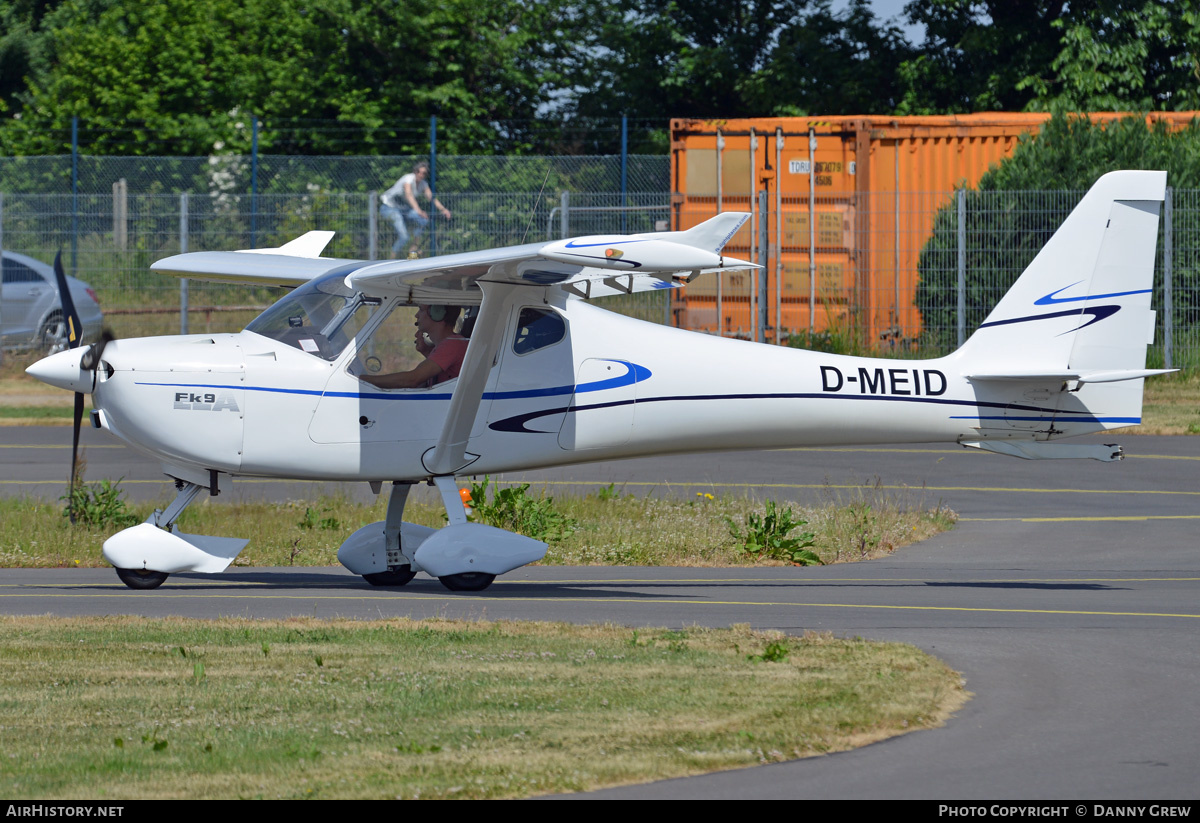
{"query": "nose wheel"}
(142, 578)
(467, 581)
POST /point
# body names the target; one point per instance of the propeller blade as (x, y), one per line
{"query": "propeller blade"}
(74, 332)
(74, 456)
(70, 315)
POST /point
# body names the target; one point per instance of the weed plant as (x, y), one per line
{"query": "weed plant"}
(769, 536)
(100, 505)
(515, 509)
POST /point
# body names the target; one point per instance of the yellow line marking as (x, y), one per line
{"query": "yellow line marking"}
(57, 446)
(395, 597)
(344, 580)
(890, 487)
(692, 485)
(1160, 457)
(1130, 517)
(968, 452)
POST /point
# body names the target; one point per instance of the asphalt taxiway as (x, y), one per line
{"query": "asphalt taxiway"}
(1067, 597)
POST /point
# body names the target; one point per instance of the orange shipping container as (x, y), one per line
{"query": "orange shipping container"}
(848, 204)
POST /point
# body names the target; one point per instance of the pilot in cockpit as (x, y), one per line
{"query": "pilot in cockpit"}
(441, 346)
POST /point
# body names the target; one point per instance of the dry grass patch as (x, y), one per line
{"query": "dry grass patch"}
(130, 708)
(1170, 405)
(610, 529)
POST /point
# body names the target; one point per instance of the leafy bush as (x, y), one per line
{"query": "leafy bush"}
(516, 510)
(766, 536)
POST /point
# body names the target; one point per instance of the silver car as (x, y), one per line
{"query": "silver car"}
(30, 310)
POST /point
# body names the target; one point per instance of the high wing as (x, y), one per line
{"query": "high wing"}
(586, 267)
(292, 264)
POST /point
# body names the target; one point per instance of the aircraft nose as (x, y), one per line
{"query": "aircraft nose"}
(64, 370)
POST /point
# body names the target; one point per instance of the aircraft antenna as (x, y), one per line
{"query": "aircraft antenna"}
(533, 213)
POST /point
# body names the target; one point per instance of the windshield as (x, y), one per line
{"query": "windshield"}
(321, 317)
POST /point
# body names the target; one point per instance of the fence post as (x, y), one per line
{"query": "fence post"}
(253, 181)
(1168, 295)
(812, 233)
(74, 193)
(624, 169)
(720, 208)
(183, 247)
(121, 214)
(760, 274)
(779, 143)
(962, 267)
(373, 226)
(432, 184)
(564, 217)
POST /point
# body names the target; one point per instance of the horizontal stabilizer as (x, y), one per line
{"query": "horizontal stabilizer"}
(698, 248)
(1038, 450)
(1112, 376)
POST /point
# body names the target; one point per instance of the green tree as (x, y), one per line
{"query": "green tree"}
(187, 76)
(1123, 56)
(1039, 55)
(1019, 204)
(23, 45)
(745, 58)
(976, 53)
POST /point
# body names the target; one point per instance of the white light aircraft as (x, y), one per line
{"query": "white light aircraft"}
(550, 379)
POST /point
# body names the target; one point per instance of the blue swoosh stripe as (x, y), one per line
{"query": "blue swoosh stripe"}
(517, 423)
(633, 374)
(1098, 313)
(571, 244)
(1051, 299)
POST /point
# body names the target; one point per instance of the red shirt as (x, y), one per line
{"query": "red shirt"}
(449, 356)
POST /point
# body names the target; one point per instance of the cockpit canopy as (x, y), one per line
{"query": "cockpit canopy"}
(320, 317)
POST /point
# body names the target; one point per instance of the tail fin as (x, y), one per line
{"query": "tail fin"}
(1079, 316)
(1084, 301)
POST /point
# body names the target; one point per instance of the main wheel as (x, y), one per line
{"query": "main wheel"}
(467, 581)
(142, 578)
(397, 576)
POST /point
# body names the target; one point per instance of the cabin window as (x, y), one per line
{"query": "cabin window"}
(538, 328)
(390, 346)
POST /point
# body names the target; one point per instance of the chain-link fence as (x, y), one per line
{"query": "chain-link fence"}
(906, 272)
(280, 174)
(912, 273)
(110, 239)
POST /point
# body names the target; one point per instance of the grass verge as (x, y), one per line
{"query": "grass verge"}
(1170, 405)
(610, 529)
(131, 708)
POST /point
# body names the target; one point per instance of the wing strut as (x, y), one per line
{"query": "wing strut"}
(450, 454)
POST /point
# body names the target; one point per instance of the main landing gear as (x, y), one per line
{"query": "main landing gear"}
(400, 563)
